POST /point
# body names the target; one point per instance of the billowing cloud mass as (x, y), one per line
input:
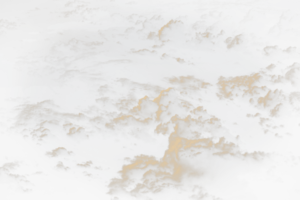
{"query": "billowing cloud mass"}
(6, 25)
(150, 100)
(61, 167)
(274, 52)
(86, 164)
(19, 182)
(254, 90)
(236, 43)
(188, 86)
(143, 52)
(293, 74)
(58, 151)
(38, 121)
(194, 164)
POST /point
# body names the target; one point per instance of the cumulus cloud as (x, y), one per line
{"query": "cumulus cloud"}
(293, 74)
(188, 86)
(6, 25)
(273, 52)
(287, 26)
(236, 43)
(179, 60)
(294, 100)
(201, 157)
(38, 121)
(59, 151)
(18, 181)
(205, 40)
(86, 164)
(189, 167)
(81, 9)
(61, 167)
(143, 52)
(164, 56)
(253, 89)
(76, 133)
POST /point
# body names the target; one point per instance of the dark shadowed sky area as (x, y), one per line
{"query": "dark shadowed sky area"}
(150, 100)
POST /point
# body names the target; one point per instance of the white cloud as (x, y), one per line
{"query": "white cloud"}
(172, 30)
(164, 56)
(77, 133)
(179, 60)
(17, 181)
(273, 52)
(253, 89)
(236, 43)
(293, 74)
(143, 52)
(59, 151)
(86, 164)
(6, 25)
(61, 167)
(188, 86)
(39, 121)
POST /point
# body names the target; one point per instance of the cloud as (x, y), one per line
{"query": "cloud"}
(287, 26)
(58, 151)
(19, 182)
(294, 101)
(61, 167)
(164, 56)
(143, 52)
(81, 9)
(189, 167)
(273, 52)
(39, 121)
(236, 43)
(293, 74)
(77, 133)
(188, 86)
(253, 89)
(6, 25)
(179, 60)
(87, 164)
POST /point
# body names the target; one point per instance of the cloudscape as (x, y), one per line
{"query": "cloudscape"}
(149, 99)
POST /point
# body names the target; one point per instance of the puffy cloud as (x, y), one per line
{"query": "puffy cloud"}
(273, 52)
(294, 100)
(187, 166)
(287, 26)
(59, 151)
(80, 8)
(202, 159)
(20, 182)
(293, 74)
(136, 87)
(164, 56)
(74, 46)
(172, 30)
(6, 25)
(143, 52)
(188, 86)
(179, 60)
(270, 67)
(61, 167)
(145, 107)
(252, 89)
(138, 127)
(77, 133)
(236, 43)
(39, 121)
(87, 164)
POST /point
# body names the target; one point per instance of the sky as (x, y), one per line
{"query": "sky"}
(149, 100)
